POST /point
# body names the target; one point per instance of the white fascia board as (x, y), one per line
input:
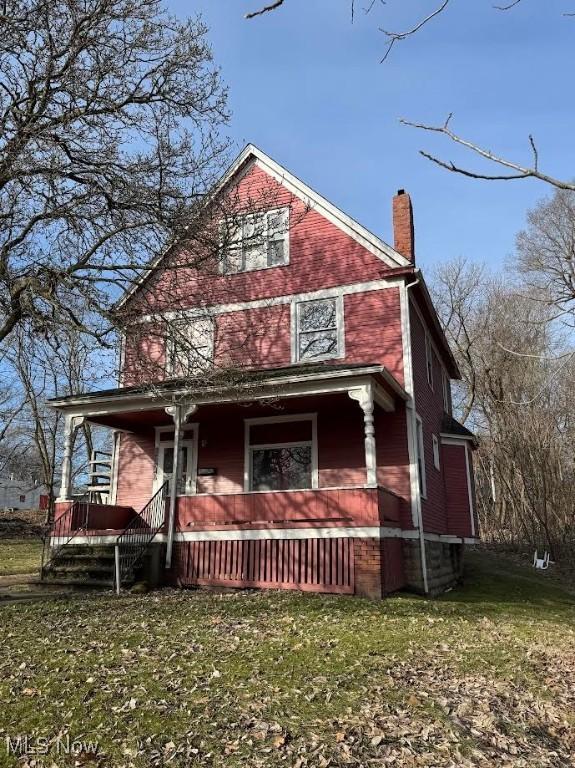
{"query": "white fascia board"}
(449, 439)
(272, 301)
(298, 384)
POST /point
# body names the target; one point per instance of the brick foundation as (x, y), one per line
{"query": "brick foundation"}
(378, 567)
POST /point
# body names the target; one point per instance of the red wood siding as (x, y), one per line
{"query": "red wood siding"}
(341, 450)
(257, 337)
(136, 459)
(455, 474)
(429, 406)
(321, 256)
(351, 506)
(318, 565)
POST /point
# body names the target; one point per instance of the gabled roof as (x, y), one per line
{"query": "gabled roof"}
(252, 155)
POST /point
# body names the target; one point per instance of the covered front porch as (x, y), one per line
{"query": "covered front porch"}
(314, 457)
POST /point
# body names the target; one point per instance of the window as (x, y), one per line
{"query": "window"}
(319, 329)
(22, 498)
(446, 393)
(421, 459)
(190, 347)
(281, 453)
(435, 452)
(429, 360)
(256, 241)
(281, 468)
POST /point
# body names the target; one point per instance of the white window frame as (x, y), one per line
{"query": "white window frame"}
(421, 469)
(248, 448)
(206, 361)
(436, 457)
(266, 237)
(429, 359)
(446, 392)
(340, 329)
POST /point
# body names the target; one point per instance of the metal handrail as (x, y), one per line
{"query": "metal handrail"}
(63, 525)
(134, 540)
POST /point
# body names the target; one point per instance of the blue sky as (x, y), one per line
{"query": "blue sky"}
(307, 87)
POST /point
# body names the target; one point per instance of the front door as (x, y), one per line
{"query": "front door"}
(166, 466)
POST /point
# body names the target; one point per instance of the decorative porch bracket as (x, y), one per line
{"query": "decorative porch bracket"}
(71, 424)
(180, 413)
(364, 396)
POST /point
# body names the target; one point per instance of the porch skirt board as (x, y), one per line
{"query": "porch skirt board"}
(317, 565)
(367, 567)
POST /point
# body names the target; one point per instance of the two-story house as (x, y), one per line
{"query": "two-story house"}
(283, 417)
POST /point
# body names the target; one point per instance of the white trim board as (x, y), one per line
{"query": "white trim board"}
(358, 532)
(272, 301)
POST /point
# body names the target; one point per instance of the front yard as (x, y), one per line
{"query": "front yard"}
(20, 556)
(483, 677)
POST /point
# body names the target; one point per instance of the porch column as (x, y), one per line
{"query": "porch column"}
(364, 396)
(179, 414)
(71, 424)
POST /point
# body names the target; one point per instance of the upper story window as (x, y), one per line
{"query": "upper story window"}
(429, 359)
(256, 241)
(189, 347)
(319, 329)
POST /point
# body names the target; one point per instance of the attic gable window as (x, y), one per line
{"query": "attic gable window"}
(256, 241)
(319, 329)
(189, 347)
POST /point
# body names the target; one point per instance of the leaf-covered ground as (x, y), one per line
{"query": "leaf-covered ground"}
(484, 676)
(20, 556)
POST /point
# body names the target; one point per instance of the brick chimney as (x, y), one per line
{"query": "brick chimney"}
(403, 233)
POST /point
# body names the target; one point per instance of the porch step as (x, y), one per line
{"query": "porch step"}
(83, 567)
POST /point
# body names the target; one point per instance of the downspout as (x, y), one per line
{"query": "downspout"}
(415, 443)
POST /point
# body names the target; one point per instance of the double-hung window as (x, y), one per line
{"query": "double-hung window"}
(256, 241)
(190, 347)
(319, 329)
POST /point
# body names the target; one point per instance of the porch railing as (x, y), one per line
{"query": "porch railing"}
(132, 543)
(64, 528)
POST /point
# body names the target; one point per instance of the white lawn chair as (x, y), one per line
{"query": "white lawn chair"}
(541, 563)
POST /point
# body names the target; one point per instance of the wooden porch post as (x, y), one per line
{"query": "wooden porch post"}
(364, 396)
(71, 424)
(179, 414)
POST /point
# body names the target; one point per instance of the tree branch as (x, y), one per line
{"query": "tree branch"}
(518, 171)
(265, 9)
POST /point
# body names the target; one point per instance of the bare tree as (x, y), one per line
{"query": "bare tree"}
(517, 378)
(546, 252)
(109, 118)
